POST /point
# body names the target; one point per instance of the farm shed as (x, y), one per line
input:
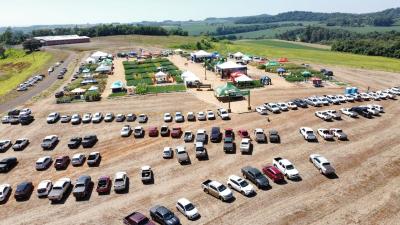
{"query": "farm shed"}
(62, 40)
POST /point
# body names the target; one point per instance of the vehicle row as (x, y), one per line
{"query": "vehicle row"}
(97, 117)
(30, 82)
(364, 110)
(201, 116)
(327, 134)
(16, 116)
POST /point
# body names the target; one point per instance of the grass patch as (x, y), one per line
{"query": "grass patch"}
(166, 89)
(115, 95)
(19, 66)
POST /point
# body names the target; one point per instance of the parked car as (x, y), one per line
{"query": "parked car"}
(59, 189)
(74, 142)
(126, 131)
(201, 116)
(201, 151)
(120, 118)
(131, 117)
(168, 153)
(5, 119)
(240, 185)
(243, 133)
(191, 116)
(78, 159)
(348, 112)
(245, 146)
(163, 215)
(142, 118)
(223, 113)
(97, 117)
(217, 190)
(76, 119)
(322, 164)
(5, 192)
(228, 145)
(20, 144)
(262, 110)
(349, 98)
(89, 141)
(179, 118)
(336, 132)
(82, 187)
(274, 108)
(259, 135)
(153, 132)
(120, 182)
(187, 209)
(7, 164)
(44, 188)
(292, 106)
(104, 185)
(201, 136)
(286, 167)
(308, 134)
(215, 135)
(23, 190)
(341, 98)
(50, 142)
(109, 117)
(43, 163)
(5, 145)
(283, 106)
(147, 175)
(365, 96)
(61, 162)
(26, 119)
(255, 176)
(274, 136)
(188, 136)
(65, 119)
(167, 117)
(273, 173)
(53, 117)
(312, 101)
(87, 118)
(325, 134)
(136, 218)
(300, 103)
(176, 132)
(164, 131)
(335, 115)
(363, 111)
(94, 159)
(182, 155)
(323, 100)
(323, 115)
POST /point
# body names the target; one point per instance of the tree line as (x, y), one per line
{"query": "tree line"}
(225, 30)
(374, 43)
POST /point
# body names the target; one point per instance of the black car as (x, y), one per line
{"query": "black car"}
(363, 111)
(59, 94)
(23, 190)
(14, 112)
(131, 117)
(82, 187)
(20, 144)
(215, 135)
(89, 141)
(300, 103)
(74, 142)
(26, 119)
(7, 164)
(5, 145)
(229, 145)
(163, 216)
(255, 176)
(274, 136)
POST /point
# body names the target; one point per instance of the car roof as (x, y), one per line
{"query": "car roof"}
(184, 201)
(43, 183)
(235, 177)
(215, 183)
(120, 174)
(146, 168)
(61, 181)
(42, 159)
(285, 162)
(246, 140)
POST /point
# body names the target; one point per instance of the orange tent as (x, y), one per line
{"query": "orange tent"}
(283, 60)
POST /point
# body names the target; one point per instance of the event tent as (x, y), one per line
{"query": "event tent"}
(227, 68)
(78, 91)
(200, 56)
(190, 78)
(97, 55)
(272, 63)
(238, 55)
(161, 77)
(103, 69)
(90, 60)
(117, 86)
(227, 90)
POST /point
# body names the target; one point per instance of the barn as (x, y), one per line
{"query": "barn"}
(62, 40)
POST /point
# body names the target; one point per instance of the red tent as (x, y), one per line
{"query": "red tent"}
(283, 60)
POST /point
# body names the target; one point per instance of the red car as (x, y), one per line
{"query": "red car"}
(104, 185)
(61, 162)
(153, 132)
(136, 218)
(273, 173)
(243, 133)
(176, 132)
(229, 133)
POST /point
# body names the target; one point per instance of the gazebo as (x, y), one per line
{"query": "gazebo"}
(227, 68)
(280, 71)
(161, 77)
(117, 86)
(227, 91)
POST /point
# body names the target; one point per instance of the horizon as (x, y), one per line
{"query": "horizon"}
(127, 12)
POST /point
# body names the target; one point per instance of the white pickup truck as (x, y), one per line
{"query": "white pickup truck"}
(286, 167)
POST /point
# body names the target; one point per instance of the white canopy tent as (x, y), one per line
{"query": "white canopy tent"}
(161, 77)
(97, 55)
(230, 65)
(201, 54)
(238, 55)
(90, 60)
(190, 78)
(243, 78)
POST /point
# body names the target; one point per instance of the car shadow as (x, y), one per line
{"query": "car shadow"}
(89, 194)
(283, 182)
(332, 176)
(230, 200)
(297, 179)
(252, 195)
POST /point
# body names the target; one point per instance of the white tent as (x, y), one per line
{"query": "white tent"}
(189, 77)
(161, 77)
(230, 65)
(78, 91)
(178, 51)
(238, 55)
(160, 74)
(103, 69)
(201, 54)
(90, 60)
(97, 55)
(243, 78)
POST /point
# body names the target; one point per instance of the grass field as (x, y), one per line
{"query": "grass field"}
(18, 67)
(276, 49)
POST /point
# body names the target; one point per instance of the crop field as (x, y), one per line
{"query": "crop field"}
(18, 66)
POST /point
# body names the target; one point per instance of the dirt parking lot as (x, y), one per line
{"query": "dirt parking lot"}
(365, 192)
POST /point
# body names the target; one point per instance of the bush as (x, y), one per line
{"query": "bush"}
(91, 96)
(64, 99)
(141, 89)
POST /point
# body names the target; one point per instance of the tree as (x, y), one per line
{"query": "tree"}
(6, 37)
(2, 52)
(31, 45)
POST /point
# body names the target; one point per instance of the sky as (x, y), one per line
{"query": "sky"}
(48, 12)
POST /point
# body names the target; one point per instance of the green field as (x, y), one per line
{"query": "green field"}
(18, 67)
(275, 49)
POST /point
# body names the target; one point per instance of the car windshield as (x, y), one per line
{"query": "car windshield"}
(243, 183)
(168, 215)
(1, 193)
(189, 207)
(102, 182)
(80, 185)
(57, 188)
(326, 164)
(92, 157)
(144, 221)
(310, 132)
(289, 167)
(221, 188)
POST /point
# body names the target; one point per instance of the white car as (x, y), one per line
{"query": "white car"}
(44, 188)
(323, 100)
(78, 159)
(349, 98)
(379, 107)
(5, 145)
(335, 115)
(138, 132)
(332, 99)
(389, 94)
(59, 189)
(179, 117)
(43, 163)
(274, 108)
(201, 116)
(322, 164)
(372, 109)
(365, 96)
(292, 106)
(282, 106)
(325, 134)
(341, 98)
(245, 145)
(210, 115)
(286, 167)
(336, 132)
(223, 113)
(261, 110)
(374, 96)
(167, 117)
(25, 111)
(394, 91)
(187, 209)
(347, 112)
(53, 117)
(120, 181)
(97, 117)
(5, 191)
(168, 153)
(308, 134)
(323, 115)
(239, 184)
(75, 119)
(126, 131)
(87, 117)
